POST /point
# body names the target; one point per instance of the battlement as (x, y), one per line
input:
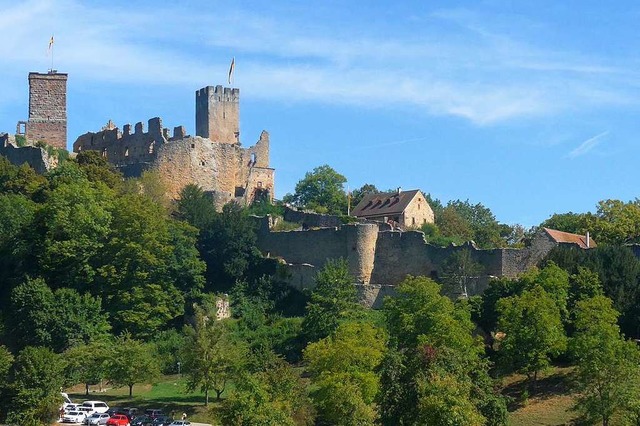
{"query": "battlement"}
(219, 93)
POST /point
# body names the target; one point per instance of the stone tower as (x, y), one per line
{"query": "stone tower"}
(47, 109)
(218, 114)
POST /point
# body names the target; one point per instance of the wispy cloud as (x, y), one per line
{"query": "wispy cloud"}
(588, 145)
(481, 75)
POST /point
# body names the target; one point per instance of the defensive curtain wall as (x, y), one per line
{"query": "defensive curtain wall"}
(380, 259)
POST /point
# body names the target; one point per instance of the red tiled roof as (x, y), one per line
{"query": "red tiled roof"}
(569, 238)
(384, 204)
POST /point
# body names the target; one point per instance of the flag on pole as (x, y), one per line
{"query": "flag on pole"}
(232, 68)
(51, 43)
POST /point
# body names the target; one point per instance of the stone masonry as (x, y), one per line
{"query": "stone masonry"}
(47, 109)
(213, 159)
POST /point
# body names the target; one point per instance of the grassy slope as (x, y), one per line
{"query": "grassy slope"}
(549, 405)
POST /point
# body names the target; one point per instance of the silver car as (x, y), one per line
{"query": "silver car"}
(97, 419)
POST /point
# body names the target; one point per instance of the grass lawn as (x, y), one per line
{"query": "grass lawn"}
(168, 394)
(549, 405)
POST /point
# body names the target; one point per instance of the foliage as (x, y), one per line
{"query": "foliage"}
(212, 358)
(170, 350)
(98, 169)
(87, 363)
(19, 179)
(435, 372)
(343, 369)
(273, 397)
(131, 362)
(359, 193)
(459, 271)
(533, 331)
(333, 300)
(33, 390)
(608, 367)
(321, 190)
(619, 272)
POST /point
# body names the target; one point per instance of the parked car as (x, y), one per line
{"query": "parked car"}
(114, 410)
(96, 406)
(129, 412)
(153, 412)
(74, 417)
(179, 423)
(162, 421)
(142, 421)
(118, 420)
(97, 419)
(86, 410)
(72, 407)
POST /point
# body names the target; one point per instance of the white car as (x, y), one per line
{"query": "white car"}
(74, 417)
(71, 407)
(97, 419)
(179, 423)
(96, 406)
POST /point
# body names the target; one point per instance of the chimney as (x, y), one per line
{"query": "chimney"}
(588, 242)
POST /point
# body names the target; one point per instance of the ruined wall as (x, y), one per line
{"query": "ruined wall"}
(34, 156)
(309, 219)
(48, 109)
(417, 213)
(218, 114)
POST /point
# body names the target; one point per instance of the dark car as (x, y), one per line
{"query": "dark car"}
(142, 421)
(114, 410)
(161, 421)
(153, 412)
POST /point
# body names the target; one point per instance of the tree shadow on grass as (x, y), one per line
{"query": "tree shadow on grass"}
(549, 386)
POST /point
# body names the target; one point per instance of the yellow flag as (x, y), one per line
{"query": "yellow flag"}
(50, 42)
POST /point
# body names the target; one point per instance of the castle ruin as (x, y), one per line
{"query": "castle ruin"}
(212, 159)
(47, 109)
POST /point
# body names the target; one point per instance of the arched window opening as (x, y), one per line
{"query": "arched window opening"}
(152, 147)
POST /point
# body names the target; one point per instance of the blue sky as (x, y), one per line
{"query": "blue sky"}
(530, 108)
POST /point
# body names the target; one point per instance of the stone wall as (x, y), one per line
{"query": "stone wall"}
(34, 156)
(380, 260)
(47, 109)
(309, 219)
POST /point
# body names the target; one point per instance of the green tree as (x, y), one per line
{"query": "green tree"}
(138, 278)
(131, 362)
(534, 332)
(228, 246)
(433, 350)
(321, 190)
(213, 358)
(35, 382)
(359, 193)
(575, 223)
(333, 300)
(87, 363)
(607, 366)
(343, 367)
(98, 169)
(19, 179)
(459, 271)
(30, 313)
(195, 207)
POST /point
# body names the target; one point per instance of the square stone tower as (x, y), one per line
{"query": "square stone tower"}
(218, 114)
(47, 109)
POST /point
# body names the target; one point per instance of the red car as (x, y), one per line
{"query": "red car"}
(118, 420)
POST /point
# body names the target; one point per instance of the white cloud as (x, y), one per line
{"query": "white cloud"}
(588, 145)
(482, 76)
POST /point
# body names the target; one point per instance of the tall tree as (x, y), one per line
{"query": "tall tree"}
(131, 362)
(35, 382)
(213, 358)
(321, 190)
(534, 332)
(333, 300)
(433, 351)
(607, 366)
(343, 367)
(87, 363)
